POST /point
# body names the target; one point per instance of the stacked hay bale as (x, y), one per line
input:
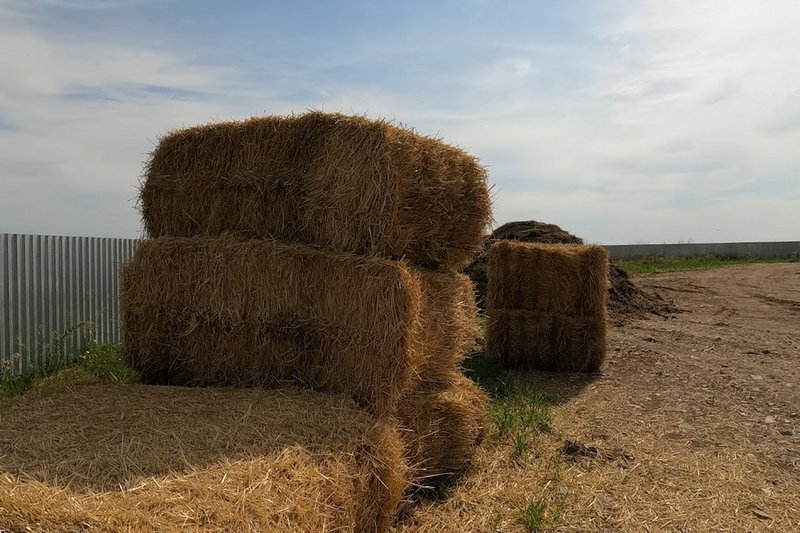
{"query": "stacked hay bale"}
(318, 251)
(246, 312)
(547, 305)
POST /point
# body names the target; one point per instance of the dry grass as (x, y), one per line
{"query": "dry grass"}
(664, 487)
(114, 457)
(344, 183)
(654, 484)
(242, 312)
(81, 454)
(547, 305)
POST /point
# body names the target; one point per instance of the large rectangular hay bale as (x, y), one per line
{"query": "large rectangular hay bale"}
(547, 341)
(567, 279)
(344, 183)
(547, 305)
(244, 312)
(137, 458)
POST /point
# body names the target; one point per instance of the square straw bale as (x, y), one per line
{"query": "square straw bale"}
(564, 279)
(243, 312)
(344, 183)
(111, 457)
(547, 341)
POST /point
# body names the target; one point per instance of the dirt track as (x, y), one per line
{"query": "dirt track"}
(729, 365)
(717, 386)
(695, 418)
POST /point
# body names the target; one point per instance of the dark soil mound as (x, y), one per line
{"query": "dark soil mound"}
(533, 231)
(624, 297)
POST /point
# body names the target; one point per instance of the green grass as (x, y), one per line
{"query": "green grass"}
(100, 361)
(105, 362)
(651, 265)
(519, 410)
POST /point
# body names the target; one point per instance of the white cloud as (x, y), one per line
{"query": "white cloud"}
(676, 103)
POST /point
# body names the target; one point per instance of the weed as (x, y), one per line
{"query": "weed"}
(12, 384)
(533, 515)
(103, 361)
(483, 323)
(519, 410)
(520, 417)
(522, 444)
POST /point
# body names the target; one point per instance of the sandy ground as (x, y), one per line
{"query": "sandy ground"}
(694, 422)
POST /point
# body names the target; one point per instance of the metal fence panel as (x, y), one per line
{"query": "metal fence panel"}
(763, 250)
(49, 285)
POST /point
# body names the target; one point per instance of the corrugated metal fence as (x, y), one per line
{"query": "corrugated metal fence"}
(50, 284)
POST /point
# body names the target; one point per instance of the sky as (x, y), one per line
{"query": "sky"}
(621, 121)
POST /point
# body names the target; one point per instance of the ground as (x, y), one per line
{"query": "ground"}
(693, 424)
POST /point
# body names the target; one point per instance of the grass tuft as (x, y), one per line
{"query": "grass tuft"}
(533, 515)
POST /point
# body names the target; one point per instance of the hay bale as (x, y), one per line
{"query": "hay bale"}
(242, 312)
(525, 231)
(112, 457)
(441, 429)
(341, 182)
(554, 278)
(449, 326)
(547, 306)
(547, 341)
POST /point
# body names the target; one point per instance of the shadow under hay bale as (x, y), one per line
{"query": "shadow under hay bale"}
(547, 306)
(344, 183)
(112, 457)
(241, 312)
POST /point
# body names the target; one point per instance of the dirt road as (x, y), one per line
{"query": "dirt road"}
(695, 420)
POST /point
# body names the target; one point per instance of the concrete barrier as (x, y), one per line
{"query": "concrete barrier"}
(765, 250)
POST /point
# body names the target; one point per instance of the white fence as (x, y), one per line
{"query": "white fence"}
(48, 285)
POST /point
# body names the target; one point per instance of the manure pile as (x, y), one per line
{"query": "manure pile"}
(316, 252)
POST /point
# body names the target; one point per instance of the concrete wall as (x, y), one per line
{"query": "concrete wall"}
(766, 250)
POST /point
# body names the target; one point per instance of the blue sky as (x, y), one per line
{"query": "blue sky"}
(622, 122)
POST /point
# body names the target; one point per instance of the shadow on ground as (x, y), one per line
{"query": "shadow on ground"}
(499, 382)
